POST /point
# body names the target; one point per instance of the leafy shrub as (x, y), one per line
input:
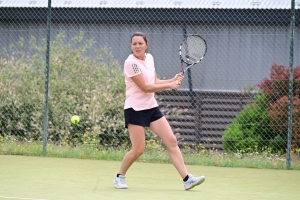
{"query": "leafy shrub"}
(278, 113)
(277, 85)
(249, 131)
(276, 90)
(264, 124)
(92, 88)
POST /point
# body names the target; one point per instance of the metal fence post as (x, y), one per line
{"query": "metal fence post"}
(291, 82)
(47, 80)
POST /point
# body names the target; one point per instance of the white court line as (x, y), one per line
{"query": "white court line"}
(4, 197)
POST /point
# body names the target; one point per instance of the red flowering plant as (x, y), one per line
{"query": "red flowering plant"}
(276, 90)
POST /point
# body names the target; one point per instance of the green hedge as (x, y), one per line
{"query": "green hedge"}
(92, 88)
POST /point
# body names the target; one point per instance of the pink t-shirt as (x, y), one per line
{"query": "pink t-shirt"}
(135, 97)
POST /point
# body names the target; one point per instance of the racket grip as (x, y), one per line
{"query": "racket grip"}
(181, 73)
(174, 89)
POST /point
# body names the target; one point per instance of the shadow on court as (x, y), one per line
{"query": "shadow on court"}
(45, 178)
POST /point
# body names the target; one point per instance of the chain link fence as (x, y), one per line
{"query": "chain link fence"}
(235, 100)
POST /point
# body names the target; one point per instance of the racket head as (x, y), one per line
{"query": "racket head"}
(192, 49)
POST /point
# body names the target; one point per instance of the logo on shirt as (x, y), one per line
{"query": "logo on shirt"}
(135, 68)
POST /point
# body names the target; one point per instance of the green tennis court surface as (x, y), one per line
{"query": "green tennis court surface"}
(46, 178)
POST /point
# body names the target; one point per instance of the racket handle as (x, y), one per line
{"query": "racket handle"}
(181, 73)
(174, 89)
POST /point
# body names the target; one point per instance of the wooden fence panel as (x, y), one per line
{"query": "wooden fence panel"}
(205, 121)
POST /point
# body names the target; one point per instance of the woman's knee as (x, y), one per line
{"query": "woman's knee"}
(172, 142)
(138, 151)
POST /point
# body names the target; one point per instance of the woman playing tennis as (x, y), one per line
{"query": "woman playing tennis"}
(141, 110)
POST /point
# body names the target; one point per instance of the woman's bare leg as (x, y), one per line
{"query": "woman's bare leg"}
(163, 130)
(137, 138)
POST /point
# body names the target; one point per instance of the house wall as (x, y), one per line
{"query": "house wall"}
(240, 53)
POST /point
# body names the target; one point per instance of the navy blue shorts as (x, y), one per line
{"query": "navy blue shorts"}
(142, 117)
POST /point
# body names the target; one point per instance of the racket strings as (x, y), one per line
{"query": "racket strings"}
(193, 49)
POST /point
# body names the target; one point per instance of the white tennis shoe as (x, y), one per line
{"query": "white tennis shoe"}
(193, 181)
(120, 182)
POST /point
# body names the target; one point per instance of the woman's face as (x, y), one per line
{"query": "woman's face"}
(138, 47)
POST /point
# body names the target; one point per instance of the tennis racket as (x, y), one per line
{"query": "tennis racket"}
(192, 50)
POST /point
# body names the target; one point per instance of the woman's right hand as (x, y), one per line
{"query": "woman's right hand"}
(174, 85)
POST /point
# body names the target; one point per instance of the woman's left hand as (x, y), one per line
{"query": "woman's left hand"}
(178, 78)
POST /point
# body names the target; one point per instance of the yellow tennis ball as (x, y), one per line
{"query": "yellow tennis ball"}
(75, 119)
